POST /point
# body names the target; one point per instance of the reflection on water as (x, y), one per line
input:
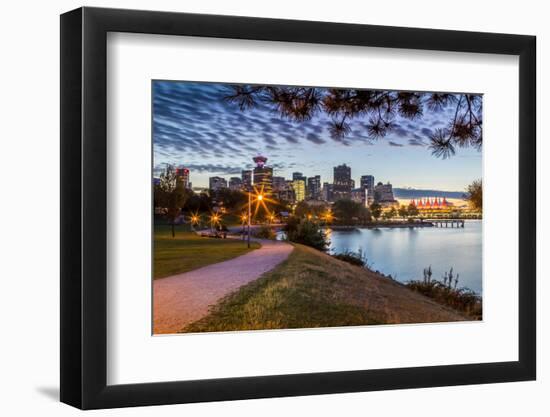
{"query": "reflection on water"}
(404, 253)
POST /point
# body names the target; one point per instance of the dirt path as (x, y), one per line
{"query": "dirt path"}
(184, 298)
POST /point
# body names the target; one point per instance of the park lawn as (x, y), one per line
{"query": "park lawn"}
(311, 289)
(188, 251)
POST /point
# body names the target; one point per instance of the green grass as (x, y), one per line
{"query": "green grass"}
(305, 291)
(188, 251)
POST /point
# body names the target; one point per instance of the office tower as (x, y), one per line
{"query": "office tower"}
(279, 184)
(182, 175)
(246, 177)
(235, 184)
(263, 175)
(326, 193)
(217, 183)
(383, 194)
(314, 187)
(342, 182)
(299, 187)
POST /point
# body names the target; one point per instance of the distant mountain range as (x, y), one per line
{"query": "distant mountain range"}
(405, 193)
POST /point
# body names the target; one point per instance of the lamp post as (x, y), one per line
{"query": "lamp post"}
(214, 218)
(244, 219)
(194, 221)
(249, 213)
(259, 197)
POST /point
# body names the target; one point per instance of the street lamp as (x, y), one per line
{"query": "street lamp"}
(258, 197)
(214, 219)
(328, 216)
(194, 220)
(244, 217)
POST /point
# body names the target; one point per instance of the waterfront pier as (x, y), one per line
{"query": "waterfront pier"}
(447, 222)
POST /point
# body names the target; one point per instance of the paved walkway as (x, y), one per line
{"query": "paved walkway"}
(184, 298)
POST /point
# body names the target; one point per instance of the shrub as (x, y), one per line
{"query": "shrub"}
(265, 232)
(447, 293)
(307, 233)
(354, 258)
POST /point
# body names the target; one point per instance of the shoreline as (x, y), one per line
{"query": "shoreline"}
(380, 225)
(392, 225)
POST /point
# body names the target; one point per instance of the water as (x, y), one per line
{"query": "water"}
(404, 253)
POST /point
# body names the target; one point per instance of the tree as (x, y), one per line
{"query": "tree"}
(391, 213)
(412, 210)
(475, 194)
(378, 108)
(171, 195)
(302, 209)
(230, 199)
(375, 210)
(403, 212)
(348, 212)
(199, 202)
(307, 233)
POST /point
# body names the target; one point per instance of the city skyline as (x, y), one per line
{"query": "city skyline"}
(193, 126)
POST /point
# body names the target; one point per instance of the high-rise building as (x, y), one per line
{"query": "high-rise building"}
(299, 187)
(263, 175)
(383, 194)
(284, 192)
(246, 177)
(235, 184)
(367, 182)
(326, 193)
(182, 175)
(314, 187)
(289, 194)
(217, 183)
(359, 195)
(298, 176)
(279, 184)
(342, 183)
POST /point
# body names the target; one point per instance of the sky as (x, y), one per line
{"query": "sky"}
(193, 126)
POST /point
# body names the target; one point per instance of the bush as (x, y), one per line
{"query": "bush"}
(354, 258)
(265, 232)
(306, 233)
(447, 293)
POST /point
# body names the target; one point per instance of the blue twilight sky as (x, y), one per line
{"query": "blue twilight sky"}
(193, 126)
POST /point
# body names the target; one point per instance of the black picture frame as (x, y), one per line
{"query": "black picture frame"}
(84, 207)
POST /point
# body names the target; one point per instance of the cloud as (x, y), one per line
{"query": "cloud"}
(194, 125)
(214, 168)
(290, 139)
(314, 138)
(400, 131)
(416, 142)
(269, 139)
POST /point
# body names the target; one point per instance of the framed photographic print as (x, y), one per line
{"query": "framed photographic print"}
(257, 208)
